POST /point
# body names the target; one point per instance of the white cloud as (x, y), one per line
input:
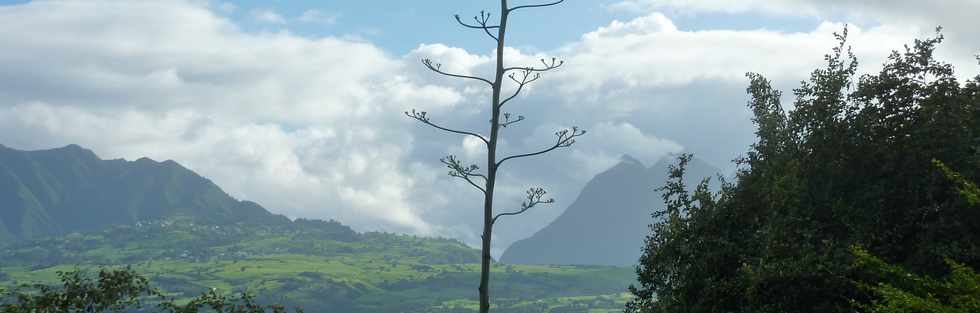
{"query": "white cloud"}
(647, 24)
(293, 123)
(820, 8)
(616, 139)
(958, 17)
(649, 51)
(318, 17)
(266, 15)
(312, 127)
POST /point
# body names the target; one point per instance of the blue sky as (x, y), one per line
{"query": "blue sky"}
(304, 115)
(399, 26)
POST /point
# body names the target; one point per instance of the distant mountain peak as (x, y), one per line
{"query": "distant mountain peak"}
(76, 150)
(607, 222)
(626, 158)
(68, 189)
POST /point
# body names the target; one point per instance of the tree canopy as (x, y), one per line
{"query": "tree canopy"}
(119, 290)
(885, 162)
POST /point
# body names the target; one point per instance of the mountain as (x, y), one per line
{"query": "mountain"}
(607, 223)
(70, 189)
(66, 209)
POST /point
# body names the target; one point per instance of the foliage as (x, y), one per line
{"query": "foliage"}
(113, 290)
(315, 265)
(850, 164)
(118, 290)
(899, 291)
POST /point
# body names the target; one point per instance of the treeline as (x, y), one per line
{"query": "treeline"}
(121, 290)
(859, 199)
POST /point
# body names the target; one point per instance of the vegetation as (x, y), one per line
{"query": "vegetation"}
(120, 290)
(319, 266)
(486, 182)
(60, 191)
(899, 291)
(885, 162)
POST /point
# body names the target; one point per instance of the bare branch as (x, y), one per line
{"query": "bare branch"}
(457, 169)
(525, 80)
(508, 121)
(566, 138)
(534, 6)
(481, 23)
(435, 67)
(546, 66)
(423, 117)
(534, 198)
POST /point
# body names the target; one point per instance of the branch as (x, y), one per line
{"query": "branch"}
(525, 80)
(508, 121)
(534, 196)
(456, 169)
(424, 118)
(482, 22)
(534, 6)
(555, 63)
(435, 67)
(566, 138)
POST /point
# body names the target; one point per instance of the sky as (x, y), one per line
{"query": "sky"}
(298, 105)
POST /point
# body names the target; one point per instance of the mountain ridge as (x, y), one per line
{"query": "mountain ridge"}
(70, 189)
(607, 222)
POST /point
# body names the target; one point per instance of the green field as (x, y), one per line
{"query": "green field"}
(322, 266)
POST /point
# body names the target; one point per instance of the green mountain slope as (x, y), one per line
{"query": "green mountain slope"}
(65, 208)
(322, 266)
(60, 191)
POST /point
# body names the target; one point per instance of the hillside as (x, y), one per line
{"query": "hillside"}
(66, 208)
(60, 191)
(608, 221)
(322, 266)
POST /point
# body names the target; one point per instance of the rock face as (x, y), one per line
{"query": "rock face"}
(69, 189)
(607, 223)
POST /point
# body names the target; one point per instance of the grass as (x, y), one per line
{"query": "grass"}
(310, 267)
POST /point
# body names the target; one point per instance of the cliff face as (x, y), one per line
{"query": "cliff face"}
(607, 223)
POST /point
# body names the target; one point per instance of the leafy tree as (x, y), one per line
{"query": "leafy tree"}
(522, 76)
(850, 164)
(899, 291)
(111, 291)
(118, 291)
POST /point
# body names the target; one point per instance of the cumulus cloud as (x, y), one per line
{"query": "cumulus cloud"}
(805, 7)
(288, 121)
(958, 17)
(266, 15)
(313, 126)
(317, 16)
(618, 139)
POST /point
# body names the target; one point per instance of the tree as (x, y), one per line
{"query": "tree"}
(896, 290)
(857, 162)
(119, 290)
(522, 76)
